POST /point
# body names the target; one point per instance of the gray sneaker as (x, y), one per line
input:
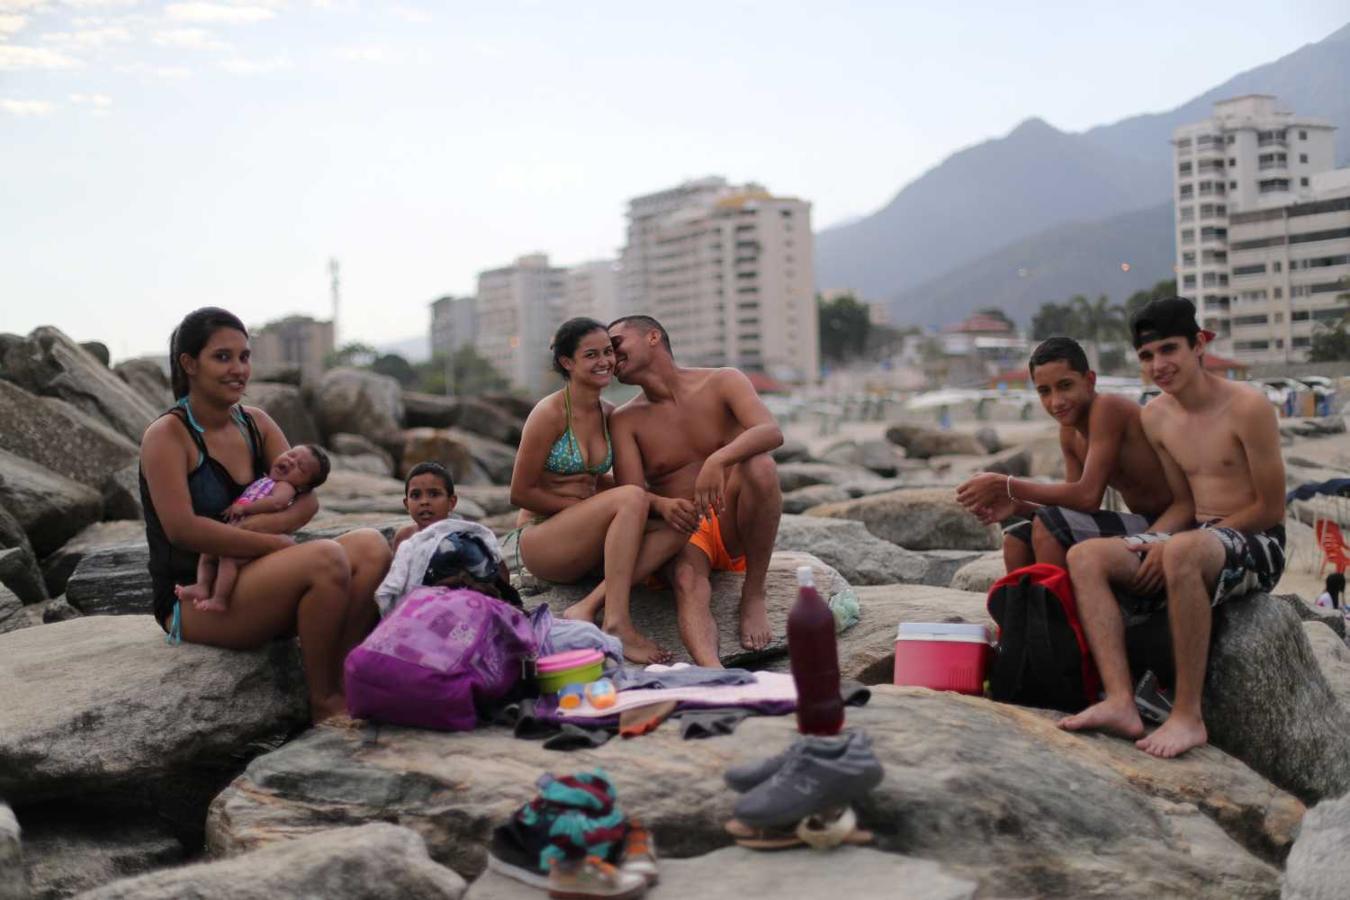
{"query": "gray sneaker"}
(814, 778)
(747, 776)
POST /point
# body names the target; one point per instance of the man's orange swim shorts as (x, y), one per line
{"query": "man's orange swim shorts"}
(708, 538)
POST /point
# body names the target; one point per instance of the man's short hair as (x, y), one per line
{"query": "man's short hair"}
(647, 323)
(1057, 348)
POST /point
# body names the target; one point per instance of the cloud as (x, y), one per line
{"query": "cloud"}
(188, 39)
(97, 101)
(167, 72)
(411, 14)
(13, 58)
(19, 5)
(365, 54)
(89, 37)
(240, 66)
(101, 4)
(25, 107)
(217, 13)
(11, 24)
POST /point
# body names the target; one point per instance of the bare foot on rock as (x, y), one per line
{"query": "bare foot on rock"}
(583, 610)
(637, 647)
(191, 593)
(330, 710)
(756, 634)
(1174, 737)
(1118, 717)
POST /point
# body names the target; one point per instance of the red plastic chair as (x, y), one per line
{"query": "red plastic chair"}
(1332, 541)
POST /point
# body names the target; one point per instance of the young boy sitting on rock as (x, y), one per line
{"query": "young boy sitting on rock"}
(428, 496)
(1103, 444)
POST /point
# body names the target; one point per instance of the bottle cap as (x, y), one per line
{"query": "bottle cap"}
(805, 577)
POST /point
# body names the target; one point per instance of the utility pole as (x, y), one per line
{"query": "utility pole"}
(335, 288)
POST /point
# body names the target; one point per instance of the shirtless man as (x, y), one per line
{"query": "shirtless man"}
(1103, 444)
(1219, 444)
(699, 441)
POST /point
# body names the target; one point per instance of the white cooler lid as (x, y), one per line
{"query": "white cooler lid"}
(943, 631)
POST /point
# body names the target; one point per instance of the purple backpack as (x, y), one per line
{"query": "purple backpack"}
(439, 655)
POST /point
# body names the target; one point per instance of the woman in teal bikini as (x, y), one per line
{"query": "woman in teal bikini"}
(572, 517)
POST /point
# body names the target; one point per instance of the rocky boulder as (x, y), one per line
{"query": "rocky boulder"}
(1333, 659)
(59, 437)
(12, 616)
(369, 862)
(19, 572)
(103, 706)
(69, 848)
(52, 365)
(122, 493)
(858, 555)
(994, 794)
(923, 443)
(1308, 612)
(880, 457)
(287, 406)
(493, 499)
(493, 457)
(439, 445)
(59, 566)
(364, 403)
(802, 499)
(49, 507)
(148, 379)
(916, 519)
(792, 476)
(13, 878)
(1267, 702)
(372, 457)
(791, 450)
(1015, 462)
(1318, 867)
(476, 415)
(980, 574)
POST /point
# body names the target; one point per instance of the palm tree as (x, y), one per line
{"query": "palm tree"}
(1099, 321)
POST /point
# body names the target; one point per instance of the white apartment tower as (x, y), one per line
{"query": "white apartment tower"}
(519, 307)
(1248, 159)
(729, 271)
(592, 289)
(454, 324)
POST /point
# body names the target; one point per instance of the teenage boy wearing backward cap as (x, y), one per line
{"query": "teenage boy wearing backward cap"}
(1223, 535)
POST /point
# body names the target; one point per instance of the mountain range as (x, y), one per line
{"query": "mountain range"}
(1041, 214)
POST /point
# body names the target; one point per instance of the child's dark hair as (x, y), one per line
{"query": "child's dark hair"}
(325, 464)
(566, 338)
(191, 336)
(646, 323)
(1057, 348)
(1336, 584)
(430, 467)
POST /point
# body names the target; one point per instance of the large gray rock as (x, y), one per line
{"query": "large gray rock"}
(488, 420)
(112, 580)
(493, 499)
(1015, 461)
(802, 499)
(1267, 702)
(104, 706)
(366, 863)
(354, 446)
(361, 403)
(59, 437)
(654, 611)
(792, 476)
(791, 450)
(735, 873)
(12, 613)
(13, 878)
(82, 849)
(923, 443)
(19, 572)
(992, 793)
(122, 494)
(49, 507)
(1333, 658)
(980, 574)
(441, 445)
(493, 457)
(148, 379)
(1318, 868)
(1308, 612)
(52, 365)
(944, 564)
(287, 406)
(917, 519)
(881, 457)
(858, 555)
(59, 566)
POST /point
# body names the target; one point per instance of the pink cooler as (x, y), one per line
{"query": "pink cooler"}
(943, 656)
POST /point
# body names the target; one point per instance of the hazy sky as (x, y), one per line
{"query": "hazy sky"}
(156, 157)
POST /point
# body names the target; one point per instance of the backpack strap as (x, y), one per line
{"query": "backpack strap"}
(1010, 663)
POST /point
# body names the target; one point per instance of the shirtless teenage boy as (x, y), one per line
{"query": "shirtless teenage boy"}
(699, 440)
(1219, 444)
(1103, 444)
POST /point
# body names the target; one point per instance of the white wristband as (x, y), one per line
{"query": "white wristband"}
(1010, 493)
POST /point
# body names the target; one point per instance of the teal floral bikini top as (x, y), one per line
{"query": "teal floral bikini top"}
(565, 457)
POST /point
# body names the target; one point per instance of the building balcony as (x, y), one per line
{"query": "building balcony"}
(1273, 164)
(1272, 142)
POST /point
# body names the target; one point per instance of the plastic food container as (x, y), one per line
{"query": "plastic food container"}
(572, 667)
(943, 656)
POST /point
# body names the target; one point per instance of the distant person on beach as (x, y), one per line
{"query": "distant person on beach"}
(573, 518)
(1103, 444)
(1222, 536)
(297, 471)
(196, 460)
(1331, 597)
(700, 441)
(428, 496)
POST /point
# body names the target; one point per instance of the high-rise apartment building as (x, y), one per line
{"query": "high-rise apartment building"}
(295, 342)
(519, 307)
(1248, 159)
(592, 289)
(729, 271)
(454, 324)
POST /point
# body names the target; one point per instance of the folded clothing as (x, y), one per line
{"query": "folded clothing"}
(683, 675)
(772, 693)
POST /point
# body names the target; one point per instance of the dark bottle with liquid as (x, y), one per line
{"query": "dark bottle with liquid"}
(814, 656)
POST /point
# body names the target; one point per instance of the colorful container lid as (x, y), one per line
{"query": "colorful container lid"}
(960, 632)
(572, 659)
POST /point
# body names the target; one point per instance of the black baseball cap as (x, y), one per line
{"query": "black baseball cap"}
(1170, 317)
